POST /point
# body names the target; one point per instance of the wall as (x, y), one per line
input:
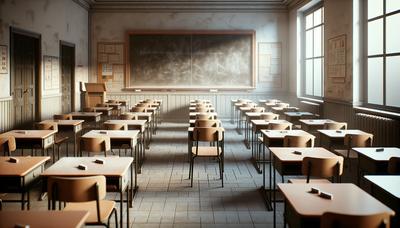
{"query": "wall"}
(55, 20)
(111, 26)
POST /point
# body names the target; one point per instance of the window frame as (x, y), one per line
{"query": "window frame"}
(303, 60)
(384, 55)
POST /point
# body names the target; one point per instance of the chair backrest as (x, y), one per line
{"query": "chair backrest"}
(62, 117)
(128, 116)
(149, 100)
(88, 109)
(279, 126)
(249, 105)
(394, 166)
(282, 105)
(257, 109)
(115, 126)
(112, 101)
(322, 167)
(201, 109)
(335, 126)
(204, 116)
(298, 141)
(76, 189)
(269, 116)
(101, 105)
(46, 126)
(358, 140)
(207, 123)
(142, 105)
(207, 134)
(95, 144)
(337, 220)
(138, 109)
(7, 143)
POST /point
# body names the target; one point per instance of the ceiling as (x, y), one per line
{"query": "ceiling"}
(188, 5)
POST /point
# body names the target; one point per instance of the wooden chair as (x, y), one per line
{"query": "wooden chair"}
(7, 145)
(62, 117)
(207, 123)
(59, 139)
(101, 105)
(280, 126)
(337, 220)
(354, 140)
(114, 126)
(320, 167)
(335, 126)
(82, 194)
(298, 141)
(128, 116)
(213, 135)
(138, 109)
(88, 109)
(204, 116)
(95, 145)
(394, 166)
(269, 116)
(202, 109)
(145, 105)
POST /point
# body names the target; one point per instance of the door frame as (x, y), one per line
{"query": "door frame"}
(38, 58)
(71, 45)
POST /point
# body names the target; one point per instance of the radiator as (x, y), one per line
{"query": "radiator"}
(386, 131)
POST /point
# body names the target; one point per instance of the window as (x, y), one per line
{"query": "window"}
(313, 52)
(383, 53)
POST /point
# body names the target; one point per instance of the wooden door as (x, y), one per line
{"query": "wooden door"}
(67, 76)
(25, 68)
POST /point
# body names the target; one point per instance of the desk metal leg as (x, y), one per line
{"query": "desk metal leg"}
(274, 203)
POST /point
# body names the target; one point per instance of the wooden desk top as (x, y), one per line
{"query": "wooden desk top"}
(254, 114)
(207, 113)
(341, 133)
(390, 183)
(23, 167)
(194, 121)
(347, 199)
(293, 114)
(30, 134)
(284, 108)
(316, 122)
(67, 166)
(384, 155)
(285, 154)
(88, 114)
(128, 122)
(270, 104)
(139, 113)
(112, 134)
(279, 134)
(208, 108)
(64, 122)
(43, 219)
(190, 129)
(243, 109)
(102, 108)
(266, 122)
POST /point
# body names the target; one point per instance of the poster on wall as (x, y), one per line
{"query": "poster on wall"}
(3, 59)
(270, 63)
(111, 62)
(337, 58)
(51, 71)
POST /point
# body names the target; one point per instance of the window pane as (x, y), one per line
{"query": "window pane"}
(317, 17)
(393, 81)
(392, 33)
(309, 44)
(309, 21)
(317, 77)
(375, 8)
(375, 81)
(309, 77)
(317, 41)
(375, 37)
(392, 5)
(322, 9)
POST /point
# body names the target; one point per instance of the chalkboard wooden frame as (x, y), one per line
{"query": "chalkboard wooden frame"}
(251, 33)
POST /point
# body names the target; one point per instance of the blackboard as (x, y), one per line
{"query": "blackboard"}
(191, 60)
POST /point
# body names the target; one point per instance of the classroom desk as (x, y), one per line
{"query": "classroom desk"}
(312, 125)
(236, 111)
(192, 122)
(269, 105)
(116, 108)
(371, 161)
(106, 111)
(153, 111)
(122, 103)
(192, 115)
(88, 117)
(115, 169)
(194, 105)
(242, 118)
(149, 124)
(282, 110)
(295, 116)
(43, 219)
(19, 177)
(209, 109)
(32, 139)
(250, 116)
(68, 126)
(331, 138)
(386, 189)
(304, 209)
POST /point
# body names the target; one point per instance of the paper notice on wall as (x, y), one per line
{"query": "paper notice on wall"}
(270, 63)
(3, 59)
(47, 72)
(337, 57)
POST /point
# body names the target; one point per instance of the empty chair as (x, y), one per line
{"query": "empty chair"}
(280, 126)
(257, 109)
(202, 109)
(83, 194)
(62, 117)
(207, 123)
(213, 135)
(321, 168)
(59, 138)
(298, 141)
(128, 116)
(115, 126)
(337, 220)
(335, 126)
(95, 145)
(145, 105)
(7, 145)
(269, 116)
(204, 116)
(138, 109)
(394, 166)
(354, 140)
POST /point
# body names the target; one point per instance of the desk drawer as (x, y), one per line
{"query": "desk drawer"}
(47, 142)
(78, 128)
(33, 176)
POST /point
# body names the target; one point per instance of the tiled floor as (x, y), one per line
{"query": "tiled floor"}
(165, 198)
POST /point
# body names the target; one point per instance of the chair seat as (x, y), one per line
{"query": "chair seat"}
(106, 208)
(206, 151)
(343, 153)
(312, 181)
